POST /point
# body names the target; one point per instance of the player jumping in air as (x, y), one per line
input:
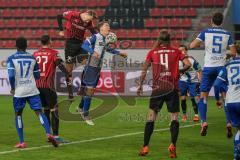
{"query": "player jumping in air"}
(76, 25)
(48, 59)
(96, 46)
(216, 42)
(165, 68)
(23, 70)
(230, 74)
(188, 84)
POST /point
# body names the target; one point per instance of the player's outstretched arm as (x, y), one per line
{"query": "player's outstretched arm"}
(145, 67)
(195, 43)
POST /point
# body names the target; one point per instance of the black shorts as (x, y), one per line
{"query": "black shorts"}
(74, 52)
(48, 97)
(171, 99)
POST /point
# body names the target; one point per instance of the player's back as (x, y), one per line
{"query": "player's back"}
(165, 63)
(233, 78)
(46, 59)
(216, 42)
(24, 66)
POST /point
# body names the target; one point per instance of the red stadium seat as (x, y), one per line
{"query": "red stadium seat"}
(150, 43)
(174, 23)
(6, 13)
(3, 3)
(39, 33)
(99, 12)
(53, 33)
(179, 12)
(47, 3)
(35, 3)
(186, 22)
(27, 33)
(5, 33)
(18, 13)
(52, 12)
(121, 33)
(150, 23)
(196, 3)
(23, 23)
(10, 44)
(15, 33)
(140, 44)
(161, 3)
(29, 13)
(45, 23)
(41, 13)
(12, 3)
(2, 23)
(92, 3)
(80, 3)
(208, 3)
(162, 23)
(145, 33)
(103, 3)
(172, 3)
(185, 3)
(180, 34)
(34, 44)
(155, 33)
(155, 12)
(167, 12)
(132, 33)
(58, 3)
(24, 3)
(11, 23)
(190, 12)
(58, 44)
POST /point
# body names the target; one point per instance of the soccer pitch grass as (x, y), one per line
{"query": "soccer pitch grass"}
(115, 136)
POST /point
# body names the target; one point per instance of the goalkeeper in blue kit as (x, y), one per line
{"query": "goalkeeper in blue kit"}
(23, 70)
(96, 46)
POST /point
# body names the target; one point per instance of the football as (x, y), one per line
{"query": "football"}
(111, 38)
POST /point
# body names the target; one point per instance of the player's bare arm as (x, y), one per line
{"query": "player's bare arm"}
(60, 25)
(145, 67)
(195, 43)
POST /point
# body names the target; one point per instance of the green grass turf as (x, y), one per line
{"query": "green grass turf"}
(122, 120)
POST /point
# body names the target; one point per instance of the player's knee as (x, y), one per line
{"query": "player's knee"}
(90, 92)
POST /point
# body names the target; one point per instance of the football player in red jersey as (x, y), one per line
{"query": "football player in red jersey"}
(76, 25)
(165, 69)
(48, 59)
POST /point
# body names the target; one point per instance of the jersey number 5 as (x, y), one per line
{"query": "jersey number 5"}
(217, 44)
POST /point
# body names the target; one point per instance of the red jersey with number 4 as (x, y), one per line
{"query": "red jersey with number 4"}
(75, 27)
(165, 68)
(46, 59)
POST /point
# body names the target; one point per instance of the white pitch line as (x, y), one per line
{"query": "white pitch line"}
(91, 140)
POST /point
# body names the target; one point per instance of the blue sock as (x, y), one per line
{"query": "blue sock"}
(237, 146)
(44, 121)
(19, 127)
(216, 93)
(202, 107)
(86, 105)
(227, 114)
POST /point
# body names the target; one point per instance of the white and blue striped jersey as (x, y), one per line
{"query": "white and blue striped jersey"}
(231, 75)
(191, 75)
(22, 71)
(216, 42)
